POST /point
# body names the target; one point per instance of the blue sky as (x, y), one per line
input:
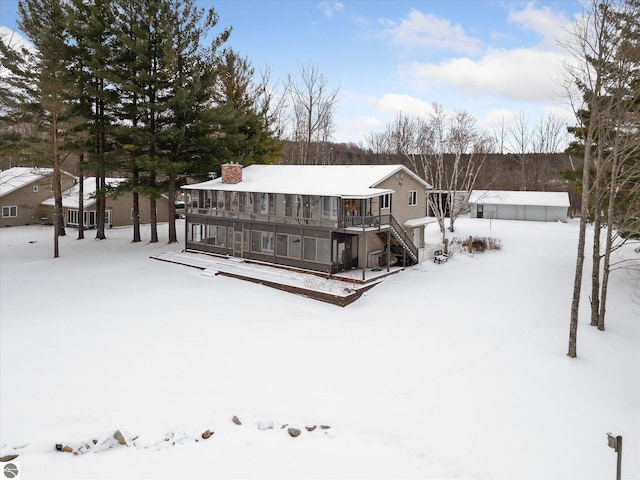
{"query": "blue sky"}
(494, 59)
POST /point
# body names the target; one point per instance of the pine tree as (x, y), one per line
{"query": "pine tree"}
(40, 90)
(189, 133)
(250, 136)
(90, 28)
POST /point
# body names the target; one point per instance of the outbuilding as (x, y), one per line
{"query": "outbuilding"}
(515, 205)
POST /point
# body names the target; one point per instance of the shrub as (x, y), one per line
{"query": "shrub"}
(476, 244)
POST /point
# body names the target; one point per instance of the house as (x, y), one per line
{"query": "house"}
(118, 210)
(325, 218)
(512, 205)
(22, 190)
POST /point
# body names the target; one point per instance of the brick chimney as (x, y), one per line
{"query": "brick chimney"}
(231, 173)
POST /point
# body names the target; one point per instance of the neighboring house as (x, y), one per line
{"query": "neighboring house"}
(22, 189)
(323, 218)
(513, 205)
(118, 211)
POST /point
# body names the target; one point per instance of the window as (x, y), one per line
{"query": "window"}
(330, 207)
(310, 249)
(323, 246)
(272, 203)
(216, 235)
(35, 189)
(263, 203)
(245, 202)
(317, 249)
(9, 212)
(195, 233)
(293, 205)
(281, 245)
(256, 241)
(262, 242)
(294, 246)
(72, 217)
(219, 200)
(288, 245)
(413, 197)
(385, 200)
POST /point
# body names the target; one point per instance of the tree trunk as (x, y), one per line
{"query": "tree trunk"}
(80, 199)
(584, 216)
(57, 193)
(100, 206)
(136, 208)
(57, 187)
(595, 269)
(101, 181)
(173, 237)
(153, 213)
(154, 220)
(606, 266)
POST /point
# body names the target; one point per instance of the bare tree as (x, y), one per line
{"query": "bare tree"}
(470, 148)
(447, 150)
(500, 134)
(312, 106)
(549, 136)
(519, 140)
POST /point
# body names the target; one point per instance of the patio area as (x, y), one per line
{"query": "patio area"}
(339, 289)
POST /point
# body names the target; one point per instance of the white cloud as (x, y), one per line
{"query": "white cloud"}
(396, 103)
(519, 74)
(551, 25)
(330, 7)
(429, 31)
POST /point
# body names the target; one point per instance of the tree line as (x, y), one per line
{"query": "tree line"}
(143, 88)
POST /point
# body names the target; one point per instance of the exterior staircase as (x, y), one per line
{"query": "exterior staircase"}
(402, 247)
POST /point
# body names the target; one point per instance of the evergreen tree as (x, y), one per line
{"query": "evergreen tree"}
(40, 90)
(93, 45)
(250, 136)
(190, 131)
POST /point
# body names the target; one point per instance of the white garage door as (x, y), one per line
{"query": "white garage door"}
(538, 214)
(507, 212)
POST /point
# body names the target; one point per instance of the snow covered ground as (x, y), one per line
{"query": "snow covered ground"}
(456, 370)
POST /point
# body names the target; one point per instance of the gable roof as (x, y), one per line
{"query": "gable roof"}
(505, 197)
(347, 181)
(15, 178)
(71, 197)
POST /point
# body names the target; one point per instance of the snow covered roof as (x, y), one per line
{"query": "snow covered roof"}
(347, 181)
(71, 197)
(504, 197)
(17, 177)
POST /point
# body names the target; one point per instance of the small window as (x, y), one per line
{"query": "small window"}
(35, 189)
(8, 212)
(413, 197)
(385, 200)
